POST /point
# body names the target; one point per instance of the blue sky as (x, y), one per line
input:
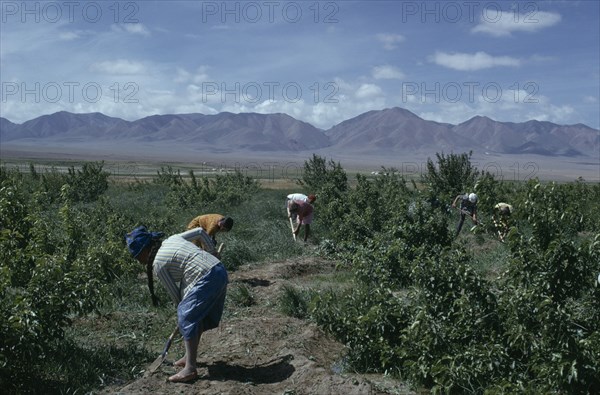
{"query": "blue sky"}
(320, 62)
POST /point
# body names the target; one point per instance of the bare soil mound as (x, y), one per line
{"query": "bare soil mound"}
(258, 350)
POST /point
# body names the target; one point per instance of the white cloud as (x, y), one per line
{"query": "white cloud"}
(387, 72)
(25, 39)
(349, 100)
(390, 41)
(476, 61)
(184, 76)
(296, 110)
(366, 91)
(159, 96)
(552, 113)
(118, 67)
(30, 52)
(201, 75)
(343, 85)
(137, 28)
(510, 105)
(68, 36)
(132, 28)
(502, 24)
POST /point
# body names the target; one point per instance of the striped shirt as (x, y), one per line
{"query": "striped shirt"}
(179, 264)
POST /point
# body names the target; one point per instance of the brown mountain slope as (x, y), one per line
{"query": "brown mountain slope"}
(381, 132)
(394, 130)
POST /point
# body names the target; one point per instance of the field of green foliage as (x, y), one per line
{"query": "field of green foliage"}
(466, 314)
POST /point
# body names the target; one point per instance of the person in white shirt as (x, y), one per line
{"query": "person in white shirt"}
(298, 197)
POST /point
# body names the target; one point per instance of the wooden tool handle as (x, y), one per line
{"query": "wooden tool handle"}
(169, 341)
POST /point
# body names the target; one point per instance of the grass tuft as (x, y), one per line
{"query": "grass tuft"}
(241, 296)
(294, 302)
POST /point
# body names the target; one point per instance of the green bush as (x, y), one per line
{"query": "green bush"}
(89, 183)
(415, 308)
(53, 267)
(418, 308)
(63, 261)
(453, 174)
(547, 305)
(85, 184)
(230, 189)
(368, 321)
(37, 305)
(319, 174)
(453, 319)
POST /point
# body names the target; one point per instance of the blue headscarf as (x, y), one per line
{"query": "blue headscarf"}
(139, 238)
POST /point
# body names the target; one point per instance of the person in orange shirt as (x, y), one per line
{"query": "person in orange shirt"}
(212, 224)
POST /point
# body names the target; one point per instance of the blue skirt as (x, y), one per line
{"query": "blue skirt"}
(202, 308)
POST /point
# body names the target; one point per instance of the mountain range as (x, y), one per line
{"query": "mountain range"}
(389, 131)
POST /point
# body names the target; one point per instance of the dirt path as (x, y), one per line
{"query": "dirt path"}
(258, 350)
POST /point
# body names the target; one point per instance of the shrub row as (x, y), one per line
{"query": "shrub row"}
(419, 310)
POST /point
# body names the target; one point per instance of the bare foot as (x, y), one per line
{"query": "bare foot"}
(184, 376)
(180, 363)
